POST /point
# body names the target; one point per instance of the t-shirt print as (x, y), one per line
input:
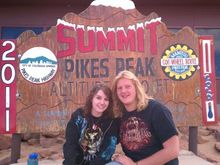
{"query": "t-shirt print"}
(134, 134)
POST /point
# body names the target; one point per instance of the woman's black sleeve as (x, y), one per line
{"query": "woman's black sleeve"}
(71, 146)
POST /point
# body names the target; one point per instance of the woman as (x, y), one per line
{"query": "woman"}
(91, 133)
(147, 132)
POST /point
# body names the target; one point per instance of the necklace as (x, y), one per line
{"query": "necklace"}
(95, 123)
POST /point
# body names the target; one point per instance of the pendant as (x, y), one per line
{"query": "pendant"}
(94, 126)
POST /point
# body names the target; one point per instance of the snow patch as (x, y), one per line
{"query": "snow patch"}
(124, 4)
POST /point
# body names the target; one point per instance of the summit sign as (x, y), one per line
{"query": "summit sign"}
(56, 69)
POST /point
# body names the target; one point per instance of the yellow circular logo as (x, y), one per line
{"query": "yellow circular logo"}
(179, 62)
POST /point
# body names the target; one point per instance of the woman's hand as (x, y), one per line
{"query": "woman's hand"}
(124, 160)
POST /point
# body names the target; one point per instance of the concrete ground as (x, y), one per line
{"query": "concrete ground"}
(188, 157)
(185, 158)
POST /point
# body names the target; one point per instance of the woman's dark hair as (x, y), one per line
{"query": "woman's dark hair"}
(88, 104)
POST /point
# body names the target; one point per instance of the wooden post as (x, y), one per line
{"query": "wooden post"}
(193, 133)
(15, 147)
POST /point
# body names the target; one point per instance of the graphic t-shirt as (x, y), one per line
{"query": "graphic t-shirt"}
(143, 133)
(90, 141)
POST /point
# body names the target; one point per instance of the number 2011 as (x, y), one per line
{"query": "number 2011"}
(8, 77)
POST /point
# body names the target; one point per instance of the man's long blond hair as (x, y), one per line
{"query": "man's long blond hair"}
(142, 97)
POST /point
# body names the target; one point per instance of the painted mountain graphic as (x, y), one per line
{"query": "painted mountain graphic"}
(106, 15)
(40, 59)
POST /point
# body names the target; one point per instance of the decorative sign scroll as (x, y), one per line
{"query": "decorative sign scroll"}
(58, 68)
(8, 86)
(206, 49)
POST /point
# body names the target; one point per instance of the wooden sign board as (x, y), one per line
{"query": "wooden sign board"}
(57, 68)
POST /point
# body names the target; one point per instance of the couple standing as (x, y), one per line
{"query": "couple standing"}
(145, 128)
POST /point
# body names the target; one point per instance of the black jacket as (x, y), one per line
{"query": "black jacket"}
(89, 141)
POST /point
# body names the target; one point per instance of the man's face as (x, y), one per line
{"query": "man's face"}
(126, 92)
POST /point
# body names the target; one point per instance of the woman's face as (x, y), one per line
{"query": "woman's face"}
(100, 103)
(126, 92)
